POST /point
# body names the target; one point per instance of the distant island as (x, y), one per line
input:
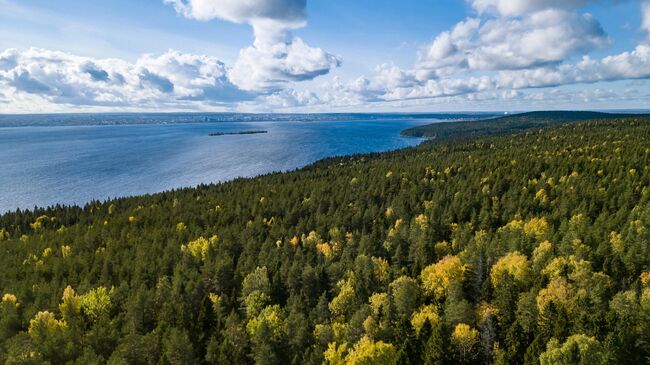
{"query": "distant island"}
(233, 133)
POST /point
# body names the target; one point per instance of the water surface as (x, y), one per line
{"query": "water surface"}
(46, 165)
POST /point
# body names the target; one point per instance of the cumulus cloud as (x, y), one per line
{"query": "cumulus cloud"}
(520, 45)
(521, 7)
(285, 13)
(645, 17)
(543, 37)
(477, 53)
(96, 73)
(194, 77)
(276, 57)
(267, 66)
(291, 98)
(625, 66)
(65, 78)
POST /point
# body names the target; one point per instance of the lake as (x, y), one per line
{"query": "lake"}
(46, 165)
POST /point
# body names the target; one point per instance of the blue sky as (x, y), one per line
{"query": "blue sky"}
(328, 56)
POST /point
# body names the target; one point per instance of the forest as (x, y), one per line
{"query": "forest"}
(490, 126)
(529, 247)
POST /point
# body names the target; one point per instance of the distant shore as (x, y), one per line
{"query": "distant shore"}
(234, 133)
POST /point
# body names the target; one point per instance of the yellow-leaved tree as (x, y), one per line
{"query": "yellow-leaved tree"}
(368, 352)
(558, 291)
(542, 254)
(96, 302)
(514, 264)
(437, 278)
(379, 304)
(345, 300)
(4, 235)
(199, 247)
(271, 317)
(465, 340)
(428, 313)
(335, 354)
(43, 324)
(70, 305)
(536, 227)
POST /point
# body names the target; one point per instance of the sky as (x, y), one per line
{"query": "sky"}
(323, 55)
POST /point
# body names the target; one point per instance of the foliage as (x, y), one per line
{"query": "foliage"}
(199, 247)
(437, 278)
(405, 292)
(96, 303)
(465, 339)
(577, 349)
(344, 302)
(367, 352)
(514, 264)
(428, 313)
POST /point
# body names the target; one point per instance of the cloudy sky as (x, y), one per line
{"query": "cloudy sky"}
(323, 55)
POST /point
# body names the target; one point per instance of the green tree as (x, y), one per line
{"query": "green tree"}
(405, 293)
(177, 348)
(577, 349)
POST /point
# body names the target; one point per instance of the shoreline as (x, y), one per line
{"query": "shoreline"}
(462, 134)
(109, 199)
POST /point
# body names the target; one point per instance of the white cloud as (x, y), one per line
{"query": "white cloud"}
(521, 7)
(291, 98)
(625, 66)
(521, 45)
(645, 17)
(277, 57)
(270, 66)
(194, 77)
(285, 13)
(171, 78)
(543, 37)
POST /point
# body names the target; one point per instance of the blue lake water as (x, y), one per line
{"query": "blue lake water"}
(42, 166)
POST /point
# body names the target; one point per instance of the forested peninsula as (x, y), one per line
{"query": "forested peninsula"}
(512, 123)
(526, 246)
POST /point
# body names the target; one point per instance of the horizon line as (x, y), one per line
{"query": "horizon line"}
(632, 110)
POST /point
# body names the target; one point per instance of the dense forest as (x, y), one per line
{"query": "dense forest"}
(505, 124)
(531, 247)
